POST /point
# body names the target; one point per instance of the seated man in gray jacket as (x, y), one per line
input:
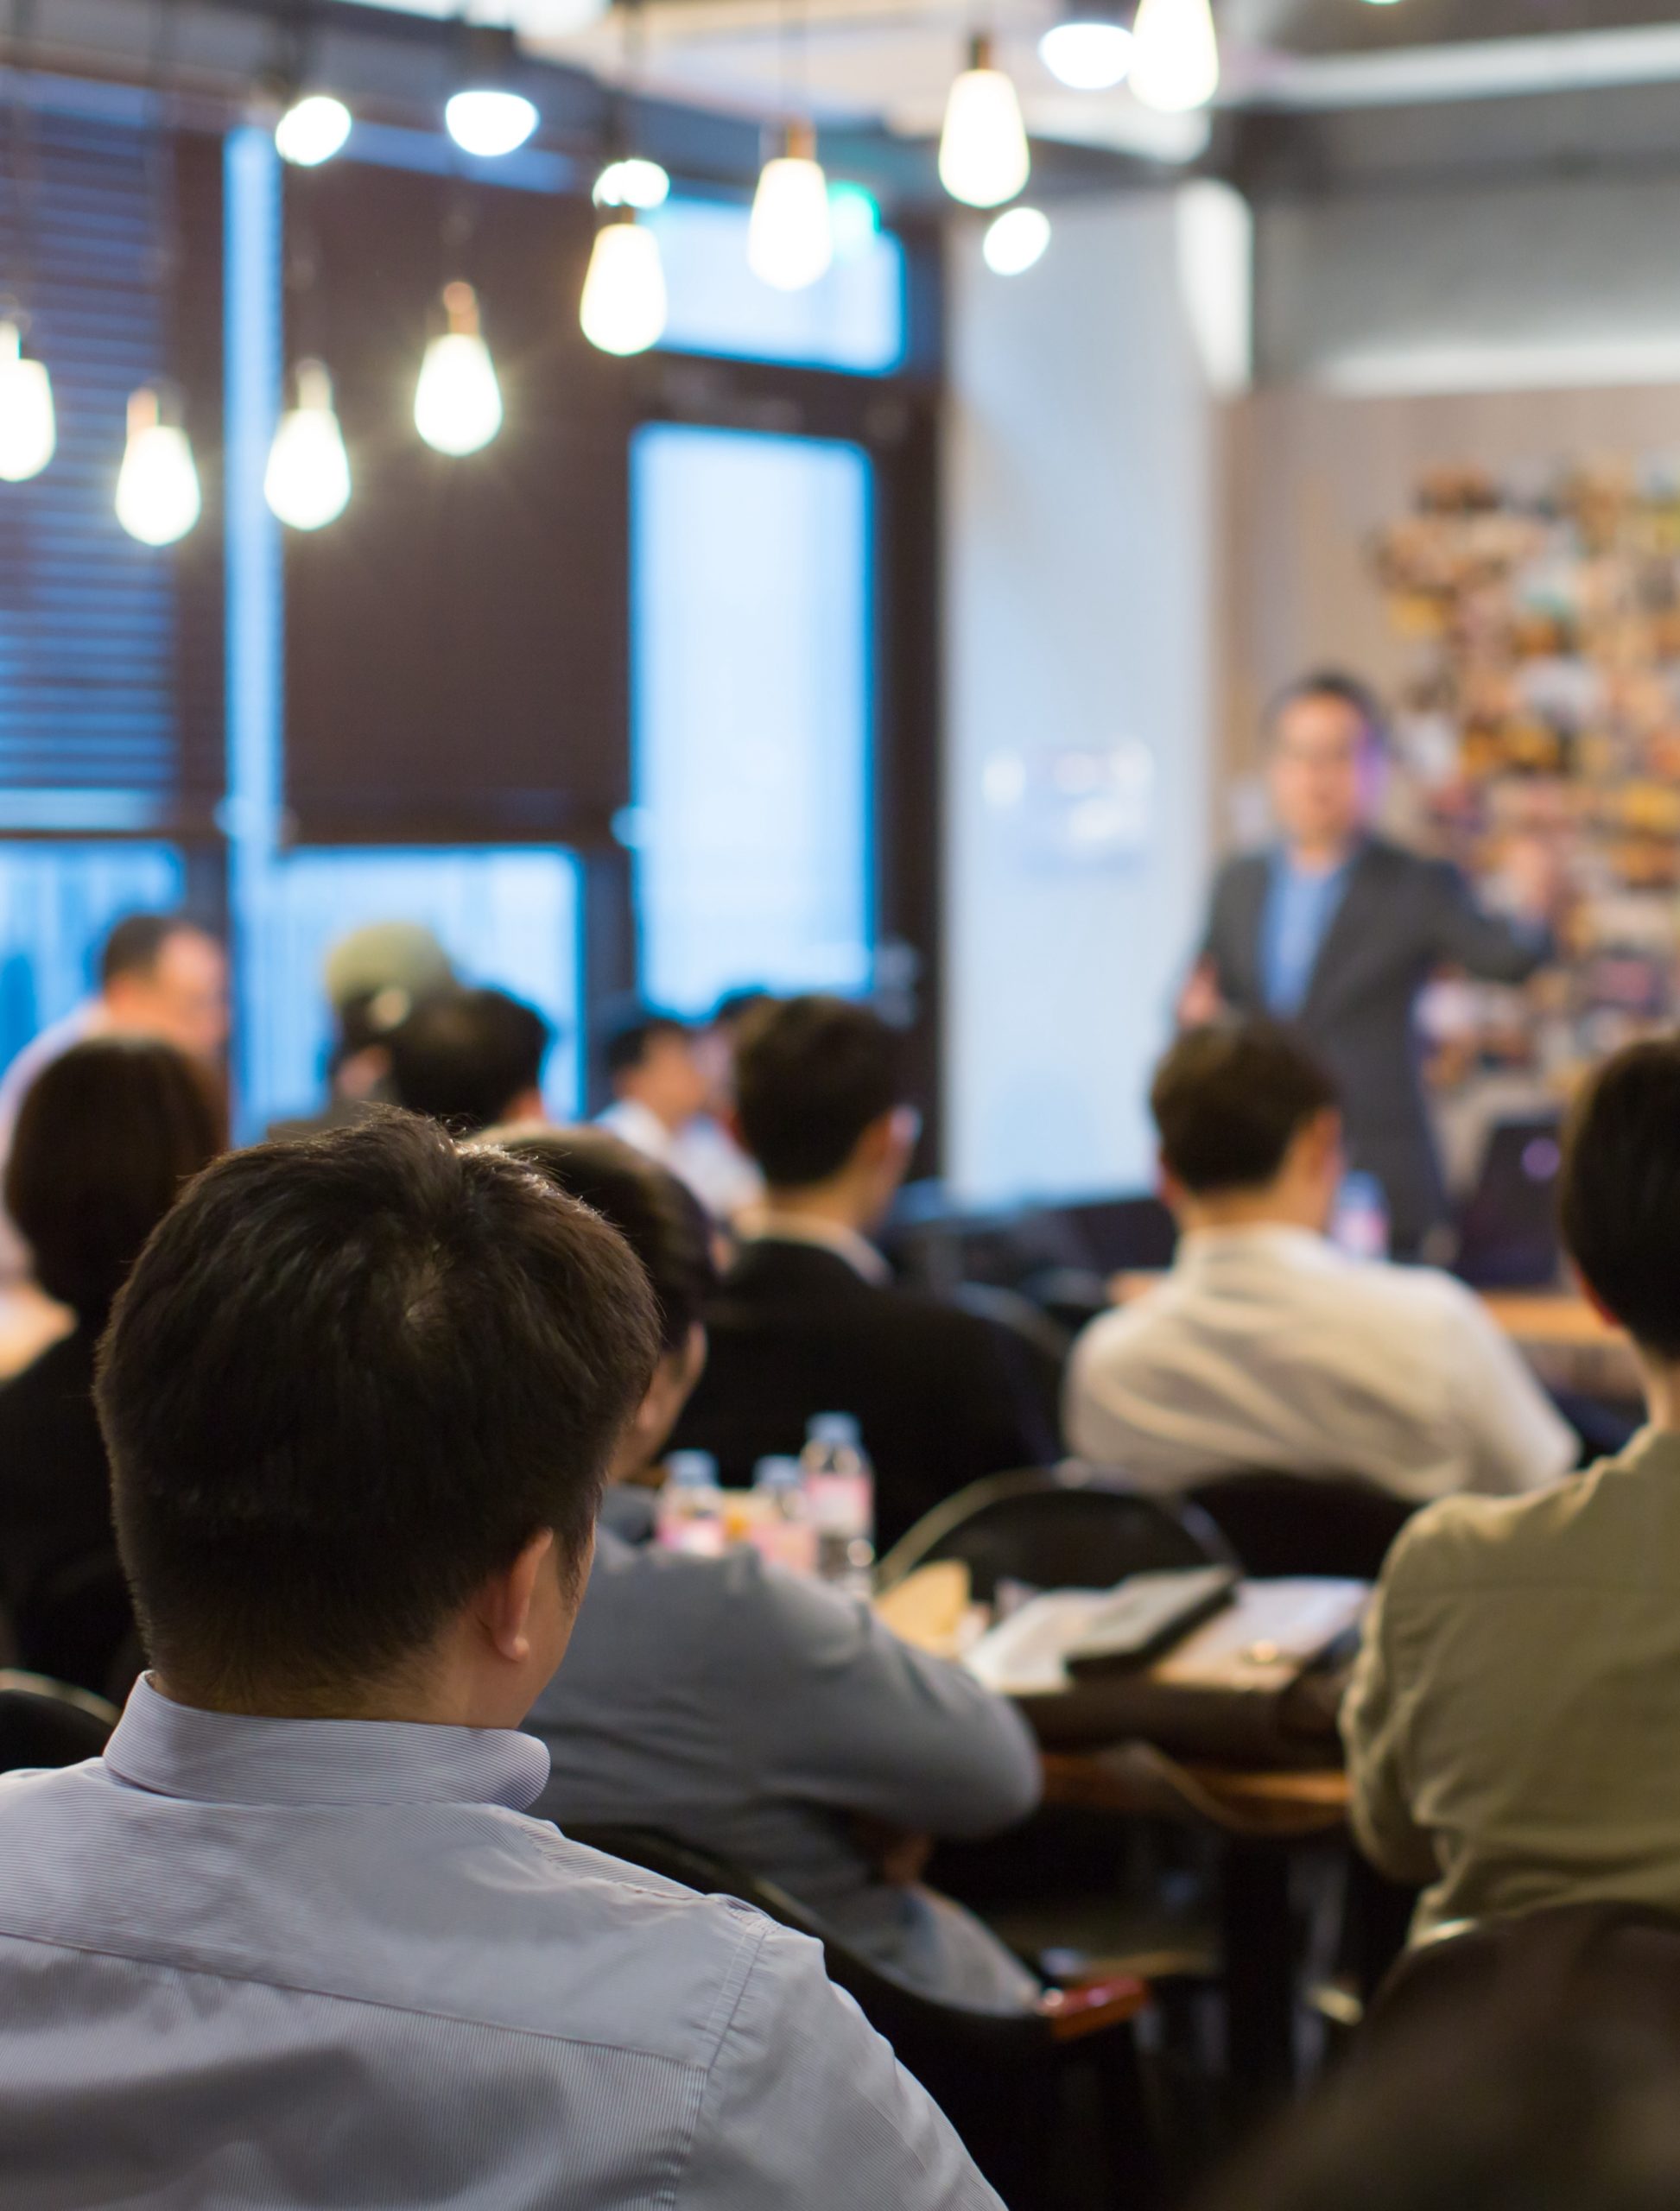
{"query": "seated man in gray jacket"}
(754, 1714)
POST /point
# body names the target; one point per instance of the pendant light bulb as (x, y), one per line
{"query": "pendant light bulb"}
(633, 182)
(29, 431)
(157, 488)
(312, 131)
(306, 482)
(1015, 241)
(790, 238)
(489, 123)
(1086, 53)
(983, 156)
(1175, 55)
(457, 401)
(624, 295)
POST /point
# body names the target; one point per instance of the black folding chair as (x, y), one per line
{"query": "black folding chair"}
(1281, 1524)
(1071, 1526)
(1010, 2083)
(46, 1723)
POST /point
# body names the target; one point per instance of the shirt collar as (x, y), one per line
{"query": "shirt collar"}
(639, 1126)
(771, 1226)
(1279, 1238)
(176, 1750)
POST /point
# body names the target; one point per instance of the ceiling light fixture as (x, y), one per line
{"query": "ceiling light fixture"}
(1015, 240)
(457, 401)
(306, 482)
(29, 429)
(1175, 55)
(790, 237)
(624, 305)
(1088, 53)
(983, 156)
(158, 499)
(633, 182)
(314, 128)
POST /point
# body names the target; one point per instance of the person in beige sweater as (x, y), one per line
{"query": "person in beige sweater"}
(1513, 1727)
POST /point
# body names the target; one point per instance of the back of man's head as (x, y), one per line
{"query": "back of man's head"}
(1620, 1191)
(1230, 1100)
(811, 1075)
(348, 1381)
(469, 1058)
(135, 944)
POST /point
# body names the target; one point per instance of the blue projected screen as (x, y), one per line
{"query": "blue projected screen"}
(751, 713)
(852, 317)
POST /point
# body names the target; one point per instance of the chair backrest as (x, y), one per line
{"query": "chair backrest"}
(1071, 1526)
(1280, 1523)
(72, 1627)
(46, 1723)
(1569, 1963)
(1039, 1343)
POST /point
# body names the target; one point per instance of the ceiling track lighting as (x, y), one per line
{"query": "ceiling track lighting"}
(791, 237)
(28, 427)
(1175, 55)
(983, 155)
(306, 482)
(487, 117)
(458, 401)
(158, 499)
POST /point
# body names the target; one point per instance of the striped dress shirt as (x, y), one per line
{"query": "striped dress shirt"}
(273, 1962)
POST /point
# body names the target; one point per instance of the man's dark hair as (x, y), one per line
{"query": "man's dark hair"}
(736, 1008)
(1332, 683)
(1619, 1190)
(658, 1216)
(464, 1056)
(628, 1042)
(135, 944)
(811, 1075)
(349, 1379)
(106, 1135)
(1229, 1100)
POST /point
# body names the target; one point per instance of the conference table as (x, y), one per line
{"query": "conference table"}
(1259, 1818)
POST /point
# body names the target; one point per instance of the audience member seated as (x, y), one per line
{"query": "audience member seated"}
(809, 1321)
(293, 1940)
(1506, 2113)
(374, 978)
(109, 1132)
(667, 1086)
(1508, 1728)
(161, 975)
(752, 1713)
(470, 1058)
(1266, 1347)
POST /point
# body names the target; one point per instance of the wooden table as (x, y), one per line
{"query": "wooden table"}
(1257, 1815)
(1567, 1343)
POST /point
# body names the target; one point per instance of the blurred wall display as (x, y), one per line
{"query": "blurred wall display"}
(1537, 722)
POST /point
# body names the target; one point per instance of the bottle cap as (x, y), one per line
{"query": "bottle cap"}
(839, 1429)
(692, 1469)
(776, 1473)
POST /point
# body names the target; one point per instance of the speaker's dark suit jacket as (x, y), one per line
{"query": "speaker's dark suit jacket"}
(1401, 918)
(798, 1331)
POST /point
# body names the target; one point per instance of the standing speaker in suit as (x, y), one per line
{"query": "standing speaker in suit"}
(1338, 930)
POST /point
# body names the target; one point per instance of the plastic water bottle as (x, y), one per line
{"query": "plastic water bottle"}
(782, 1527)
(690, 1515)
(839, 1499)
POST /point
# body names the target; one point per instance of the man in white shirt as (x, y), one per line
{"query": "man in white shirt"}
(662, 1090)
(1267, 1348)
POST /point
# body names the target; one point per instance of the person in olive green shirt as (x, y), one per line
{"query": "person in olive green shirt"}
(1513, 1727)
